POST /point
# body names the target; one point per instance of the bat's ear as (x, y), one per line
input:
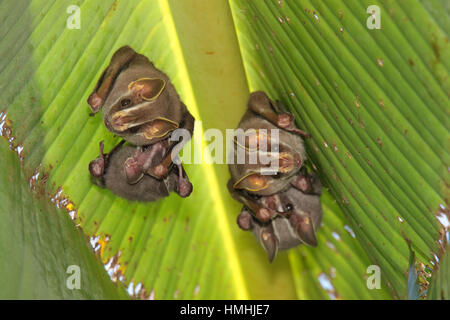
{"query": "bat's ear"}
(119, 61)
(158, 128)
(268, 242)
(253, 140)
(252, 182)
(304, 228)
(148, 89)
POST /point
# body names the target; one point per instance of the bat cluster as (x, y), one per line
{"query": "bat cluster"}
(140, 105)
(281, 208)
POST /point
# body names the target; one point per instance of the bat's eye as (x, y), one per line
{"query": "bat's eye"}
(289, 207)
(125, 102)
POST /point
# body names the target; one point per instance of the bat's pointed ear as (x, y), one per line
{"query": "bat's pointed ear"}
(158, 128)
(304, 228)
(268, 242)
(119, 60)
(148, 89)
(253, 140)
(252, 182)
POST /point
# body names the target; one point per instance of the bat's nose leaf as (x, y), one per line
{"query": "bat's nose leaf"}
(124, 119)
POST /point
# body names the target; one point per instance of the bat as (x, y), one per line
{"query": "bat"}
(109, 171)
(139, 103)
(264, 193)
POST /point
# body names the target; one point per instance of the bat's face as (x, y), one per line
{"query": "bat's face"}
(142, 106)
(138, 101)
(272, 158)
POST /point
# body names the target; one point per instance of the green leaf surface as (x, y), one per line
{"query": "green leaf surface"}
(378, 123)
(39, 244)
(376, 103)
(169, 249)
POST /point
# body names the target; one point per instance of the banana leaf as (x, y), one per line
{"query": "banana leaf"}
(378, 124)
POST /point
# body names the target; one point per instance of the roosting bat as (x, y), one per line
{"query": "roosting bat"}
(281, 206)
(140, 104)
